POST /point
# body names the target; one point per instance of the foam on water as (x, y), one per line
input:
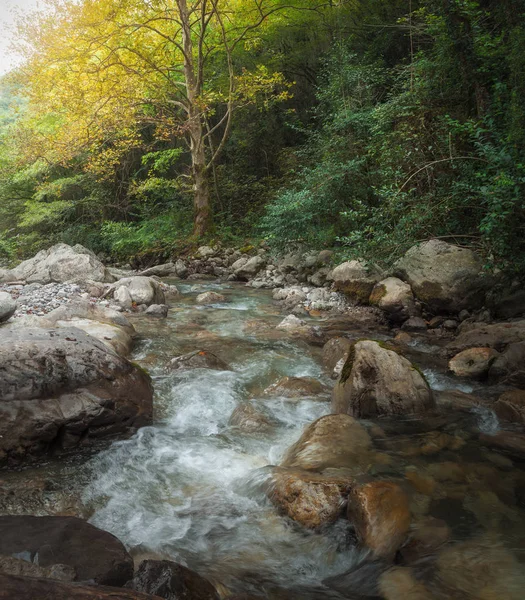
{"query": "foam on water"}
(191, 487)
(440, 382)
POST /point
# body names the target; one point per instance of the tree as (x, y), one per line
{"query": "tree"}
(106, 76)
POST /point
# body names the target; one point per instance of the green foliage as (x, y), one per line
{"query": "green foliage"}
(397, 128)
(426, 146)
(160, 234)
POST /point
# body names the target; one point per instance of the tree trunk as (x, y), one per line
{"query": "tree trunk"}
(201, 190)
(201, 200)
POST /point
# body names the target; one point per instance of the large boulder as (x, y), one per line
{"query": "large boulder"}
(310, 499)
(172, 581)
(444, 277)
(30, 588)
(395, 297)
(376, 381)
(61, 387)
(380, 513)
(107, 325)
(7, 306)
(96, 556)
(59, 264)
(250, 268)
(356, 279)
(142, 290)
(331, 442)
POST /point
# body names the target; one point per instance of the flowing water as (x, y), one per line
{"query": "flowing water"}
(191, 488)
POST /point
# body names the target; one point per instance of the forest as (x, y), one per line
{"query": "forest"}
(144, 128)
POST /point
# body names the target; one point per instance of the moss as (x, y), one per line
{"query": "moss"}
(429, 292)
(349, 364)
(377, 294)
(246, 249)
(141, 369)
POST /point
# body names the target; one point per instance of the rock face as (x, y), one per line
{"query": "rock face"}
(296, 387)
(474, 362)
(199, 359)
(29, 588)
(356, 279)
(376, 381)
(444, 277)
(60, 387)
(7, 307)
(395, 297)
(60, 263)
(94, 555)
(310, 499)
(333, 441)
(172, 581)
(142, 290)
(381, 516)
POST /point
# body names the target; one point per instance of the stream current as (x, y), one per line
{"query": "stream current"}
(190, 487)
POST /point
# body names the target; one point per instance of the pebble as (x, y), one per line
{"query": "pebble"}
(38, 299)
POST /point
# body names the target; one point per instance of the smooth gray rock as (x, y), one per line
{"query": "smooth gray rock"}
(60, 263)
(7, 306)
(157, 310)
(142, 290)
(444, 277)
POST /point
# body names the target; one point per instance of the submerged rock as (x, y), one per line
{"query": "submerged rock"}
(210, 298)
(171, 581)
(249, 419)
(296, 387)
(310, 499)
(199, 359)
(96, 556)
(333, 441)
(61, 387)
(381, 516)
(444, 277)
(376, 381)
